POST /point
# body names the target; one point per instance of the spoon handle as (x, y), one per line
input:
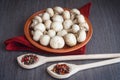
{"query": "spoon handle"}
(83, 57)
(98, 64)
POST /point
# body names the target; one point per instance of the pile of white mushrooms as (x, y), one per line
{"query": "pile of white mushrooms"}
(58, 27)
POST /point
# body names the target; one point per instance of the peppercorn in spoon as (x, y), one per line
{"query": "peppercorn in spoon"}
(29, 61)
(65, 70)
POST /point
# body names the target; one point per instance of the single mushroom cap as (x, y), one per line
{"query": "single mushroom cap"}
(37, 34)
(75, 11)
(57, 26)
(84, 26)
(70, 39)
(66, 14)
(40, 26)
(67, 24)
(81, 35)
(75, 28)
(58, 9)
(57, 18)
(51, 33)
(38, 18)
(57, 42)
(45, 16)
(44, 40)
(81, 19)
(50, 11)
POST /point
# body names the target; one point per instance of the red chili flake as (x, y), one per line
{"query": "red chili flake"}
(29, 59)
(61, 69)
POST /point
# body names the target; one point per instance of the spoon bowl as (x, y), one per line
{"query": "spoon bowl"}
(72, 69)
(41, 60)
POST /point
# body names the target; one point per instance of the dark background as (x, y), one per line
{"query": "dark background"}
(104, 16)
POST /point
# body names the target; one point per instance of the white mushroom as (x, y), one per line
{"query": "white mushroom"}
(44, 40)
(81, 19)
(34, 22)
(62, 33)
(75, 11)
(70, 39)
(75, 28)
(67, 24)
(81, 35)
(48, 24)
(37, 34)
(57, 42)
(45, 16)
(85, 26)
(51, 33)
(38, 18)
(66, 14)
(50, 11)
(40, 26)
(58, 9)
(57, 18)
(57, 26)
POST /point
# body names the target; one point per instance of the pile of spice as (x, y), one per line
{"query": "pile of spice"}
(61, 69)
(29, 59)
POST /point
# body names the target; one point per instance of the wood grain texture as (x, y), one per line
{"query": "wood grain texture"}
(105, 18)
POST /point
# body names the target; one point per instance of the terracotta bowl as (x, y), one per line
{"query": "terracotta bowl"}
(48, 48)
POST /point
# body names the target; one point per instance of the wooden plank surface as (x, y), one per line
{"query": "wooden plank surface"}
(105, 18)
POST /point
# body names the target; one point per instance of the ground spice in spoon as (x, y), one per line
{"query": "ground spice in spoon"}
(61, 69)
(29, 59)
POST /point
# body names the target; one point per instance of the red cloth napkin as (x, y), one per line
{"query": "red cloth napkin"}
(21, 43)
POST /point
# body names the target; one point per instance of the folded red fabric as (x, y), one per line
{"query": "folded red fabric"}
(21, 43)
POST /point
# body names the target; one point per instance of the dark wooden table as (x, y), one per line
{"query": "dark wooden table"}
(105, 18)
